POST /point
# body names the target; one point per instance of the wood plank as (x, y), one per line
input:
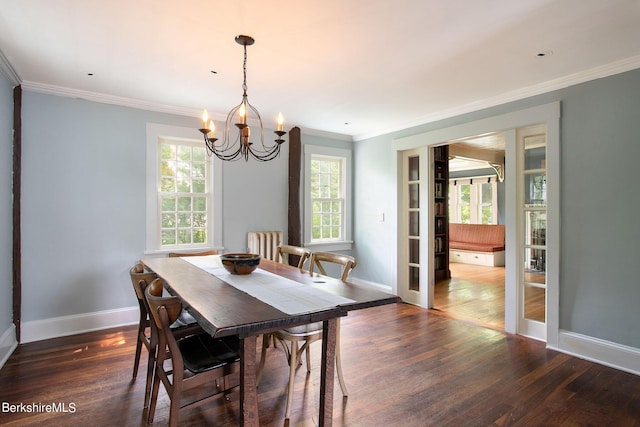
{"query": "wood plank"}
(248, 392)
(17, 210)
(194, 286)
(294, 227)
(404, 366)
(329, 329)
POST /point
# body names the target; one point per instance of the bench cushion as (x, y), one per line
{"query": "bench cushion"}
(475, 247)
(477, 237)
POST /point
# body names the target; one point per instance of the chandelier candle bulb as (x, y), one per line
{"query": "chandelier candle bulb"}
(205, 118)
(280, 122)
(243, 115)
(212, 127)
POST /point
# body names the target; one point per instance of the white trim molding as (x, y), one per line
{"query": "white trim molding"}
(154, 133)
(8, 344)
(602, 71)
(371, 285)
(606, 353)
(346, 155)
(37, 330)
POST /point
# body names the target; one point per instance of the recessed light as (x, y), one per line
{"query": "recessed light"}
(89, 74)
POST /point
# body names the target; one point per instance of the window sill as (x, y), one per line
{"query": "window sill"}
(345, 245)
(165, 251)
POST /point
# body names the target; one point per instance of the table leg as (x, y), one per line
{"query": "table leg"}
(329, 334)
(248, 388)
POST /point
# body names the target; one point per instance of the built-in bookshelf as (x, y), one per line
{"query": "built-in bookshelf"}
(440, 211)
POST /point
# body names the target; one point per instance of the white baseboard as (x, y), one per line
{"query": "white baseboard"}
(37, 330)
(600, 351)
(8, 343)
(596, 350)
(374, 285)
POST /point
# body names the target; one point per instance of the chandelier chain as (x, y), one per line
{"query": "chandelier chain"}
(244, 70)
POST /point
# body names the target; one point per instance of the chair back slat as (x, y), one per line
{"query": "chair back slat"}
(138, 273)
(348, 263)
(292, 251)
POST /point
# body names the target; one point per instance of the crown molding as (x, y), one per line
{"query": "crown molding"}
(325, 134)
(149, 106)
(607, 70)
(107, 99)
(7, 70)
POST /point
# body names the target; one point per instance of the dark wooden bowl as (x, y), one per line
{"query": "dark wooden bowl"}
(240, 263)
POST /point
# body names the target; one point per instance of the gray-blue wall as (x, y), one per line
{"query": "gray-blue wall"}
(600, 146)
(83, 208)
(84, 203)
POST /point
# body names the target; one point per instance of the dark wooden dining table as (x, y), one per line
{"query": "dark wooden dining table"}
(223, 310)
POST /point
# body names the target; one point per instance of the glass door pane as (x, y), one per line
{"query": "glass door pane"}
(534, 226)
(413, 212)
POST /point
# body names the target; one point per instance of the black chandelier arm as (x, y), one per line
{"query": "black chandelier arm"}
(268, 156)
(243, 150)
(242, 146)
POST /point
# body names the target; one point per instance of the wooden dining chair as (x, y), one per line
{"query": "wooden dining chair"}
(285, 254)
(196, 361)
(288, 253)
(138, 274)
(347, 262)
(309, 333)
(203, 253)
(140, 279)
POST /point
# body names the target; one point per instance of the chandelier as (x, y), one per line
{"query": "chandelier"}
(240, 145)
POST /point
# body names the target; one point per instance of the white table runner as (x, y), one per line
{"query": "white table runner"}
(284, 294)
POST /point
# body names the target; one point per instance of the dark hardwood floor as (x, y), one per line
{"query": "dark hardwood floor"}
(474, 293)
(404, 366)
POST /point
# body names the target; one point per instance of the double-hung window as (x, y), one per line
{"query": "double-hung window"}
(473, 200)
(182, 192)
(327, 221)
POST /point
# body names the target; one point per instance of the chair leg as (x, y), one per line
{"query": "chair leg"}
(174, 409)
(136, 361)
(154, 396)
(263, 356)
(293, 364)
(308, 357)
(151, 364)
(343, 386)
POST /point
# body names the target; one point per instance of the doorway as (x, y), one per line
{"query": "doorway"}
(516, 284)
(475, 288)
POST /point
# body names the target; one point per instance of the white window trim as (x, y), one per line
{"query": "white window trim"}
(493, 179)
(317, 150)
(154, 133)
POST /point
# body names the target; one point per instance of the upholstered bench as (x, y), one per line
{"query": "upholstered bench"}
(481, 244)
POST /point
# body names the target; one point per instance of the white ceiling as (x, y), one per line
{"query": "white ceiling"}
(378, 65)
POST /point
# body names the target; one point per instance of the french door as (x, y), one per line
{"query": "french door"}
(531, 154)
(414, 272)
(532, 216)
